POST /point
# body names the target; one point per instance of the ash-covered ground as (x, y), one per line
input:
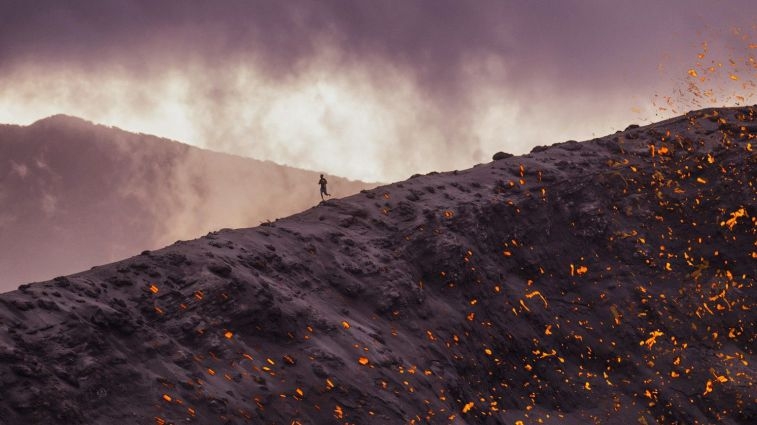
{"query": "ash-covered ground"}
(608, 281)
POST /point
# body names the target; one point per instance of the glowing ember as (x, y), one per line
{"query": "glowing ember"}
(448, 214)
(537, 293)
(708, 387)
(649, 342)
(468, 406)
(363, 361)
(580, 270)
(228, 334)
(741, 212)
(154, 289)
(345, 324)
(167, 398)
(338, 412)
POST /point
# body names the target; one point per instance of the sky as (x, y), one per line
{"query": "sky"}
(374, 90)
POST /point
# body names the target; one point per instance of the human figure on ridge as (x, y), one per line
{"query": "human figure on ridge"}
(323, 183)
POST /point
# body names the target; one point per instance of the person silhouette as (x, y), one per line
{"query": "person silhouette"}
(323, 183)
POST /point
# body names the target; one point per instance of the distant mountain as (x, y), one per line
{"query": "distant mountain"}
(608, 281)
(74, 195)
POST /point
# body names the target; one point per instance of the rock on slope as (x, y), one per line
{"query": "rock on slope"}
(609, 281)
(74, 194)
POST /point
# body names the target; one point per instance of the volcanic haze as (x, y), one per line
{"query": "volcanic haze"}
(74, 195)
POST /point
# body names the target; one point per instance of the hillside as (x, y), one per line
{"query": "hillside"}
(608, 281)
(74, 195)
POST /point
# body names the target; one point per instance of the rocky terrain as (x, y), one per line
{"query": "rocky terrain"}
(74, 195)
(607, 281)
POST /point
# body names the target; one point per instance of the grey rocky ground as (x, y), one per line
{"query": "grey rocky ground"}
(608, 281)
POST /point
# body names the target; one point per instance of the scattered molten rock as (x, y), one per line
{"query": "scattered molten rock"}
(609, 281)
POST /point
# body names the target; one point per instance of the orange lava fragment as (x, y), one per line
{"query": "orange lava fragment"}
(211, 372)
(741, 212)
(363, 361)
(167, 398)
(708, 387)
(430, 336)
(663, 150)
(701, 180)
(338, 412)
(488, 352)
(345, 324)
(228, 334)
(693, 73)
(649, 342)
(537, 293)
(468, 406)
(733, 77)
(448, 214)
(329, 384)
(548, 331)
(299, 392)
(525, 307)
(154, 289)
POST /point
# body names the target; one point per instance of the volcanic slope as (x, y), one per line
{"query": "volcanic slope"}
(74, 194)
(609, 281)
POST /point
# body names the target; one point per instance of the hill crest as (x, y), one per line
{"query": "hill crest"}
(609, 280)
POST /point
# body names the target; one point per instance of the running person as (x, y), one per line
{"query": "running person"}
(323, 183)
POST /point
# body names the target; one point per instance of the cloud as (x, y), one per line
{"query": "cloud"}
(366, 89)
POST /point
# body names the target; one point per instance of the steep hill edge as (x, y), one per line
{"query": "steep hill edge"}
(609, 280)
(74, 194)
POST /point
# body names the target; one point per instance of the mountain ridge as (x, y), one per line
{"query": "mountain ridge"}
(609, 280)
(76, 194)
